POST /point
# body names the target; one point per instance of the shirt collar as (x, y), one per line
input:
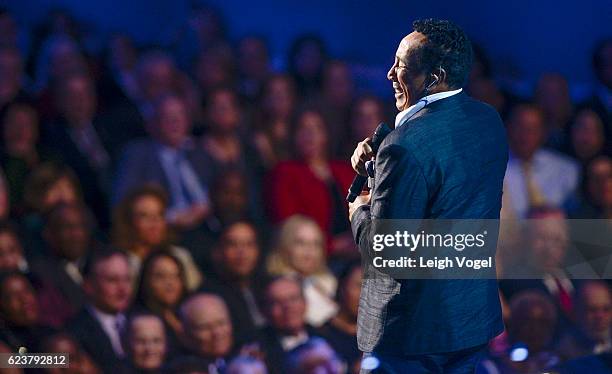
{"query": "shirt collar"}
(406, 114)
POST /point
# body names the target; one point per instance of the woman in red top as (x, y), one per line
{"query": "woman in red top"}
(311, 184)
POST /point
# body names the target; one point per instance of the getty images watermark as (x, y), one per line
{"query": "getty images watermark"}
(412, 242)
(487, 249)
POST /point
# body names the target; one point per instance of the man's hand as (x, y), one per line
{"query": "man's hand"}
(362, 154)
(363, 199)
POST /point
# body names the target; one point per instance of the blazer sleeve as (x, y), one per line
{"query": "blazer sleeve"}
(400, 192)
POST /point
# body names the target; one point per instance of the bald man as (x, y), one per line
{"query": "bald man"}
(207, 326)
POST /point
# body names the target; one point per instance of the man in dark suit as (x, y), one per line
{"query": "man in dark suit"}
(99, 326)
(445, 159)
(68, 239)
(82, 140)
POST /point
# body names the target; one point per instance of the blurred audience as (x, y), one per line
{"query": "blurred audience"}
(314, 356)
(161, 289)
(237, 278)
(313, 176)
(68, 241)
(145, 343)
(285, 309)
(208, 331)
(107, 284)
(536, 176)
(341, 330)
(300, 251)
(20, 313)
(79, 361)
(593, 331)
(217, 158)
(169, 159)
(530, 336)
(140, 227)
(272, 120)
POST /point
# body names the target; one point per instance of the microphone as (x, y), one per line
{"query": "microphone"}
(360, 180)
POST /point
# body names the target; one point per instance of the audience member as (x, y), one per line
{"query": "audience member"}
(602, 63)
(531, 334)
(335, 101)
(12, 257)
(169, 159)
(208, 331)
(161, 288)
(68, 241)
(307, 57)
(341, 330)
(300, 251)
(98, 326)
(587, 136)
(597, 196)
(592, 334)
(285, 307)
(536, 176)
(20, 313)
(145, 343)
(553, 97)
(79, 360)
(237, 279)
(82, 140)
(21, 152)
(253, 65)
(542, 263)
(11, 76)
(367, 113)
(140, 227)
(313, 357)
(312, 176)
(272, 119)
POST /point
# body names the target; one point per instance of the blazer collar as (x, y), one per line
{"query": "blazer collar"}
(437, 105)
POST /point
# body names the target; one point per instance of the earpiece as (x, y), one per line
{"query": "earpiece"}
(435, 81)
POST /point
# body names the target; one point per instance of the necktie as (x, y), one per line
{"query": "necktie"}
(564, 298)
(535, 196)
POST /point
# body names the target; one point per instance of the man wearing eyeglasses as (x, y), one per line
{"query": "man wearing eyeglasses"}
(445, 159)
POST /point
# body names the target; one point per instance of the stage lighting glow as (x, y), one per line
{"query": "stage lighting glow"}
(370, 363)
(519, 354)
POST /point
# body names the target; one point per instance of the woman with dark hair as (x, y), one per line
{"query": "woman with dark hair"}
(140, 226)
(311, 184)
(307, 57)
(20, 313)
(47, 186)
(587, 136)
(21, 152)
(272, 122)
(161, 288)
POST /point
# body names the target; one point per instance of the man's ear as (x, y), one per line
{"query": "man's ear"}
(441, 74)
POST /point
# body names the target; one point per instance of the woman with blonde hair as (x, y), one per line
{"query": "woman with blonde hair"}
(140, 227)
(300, 250)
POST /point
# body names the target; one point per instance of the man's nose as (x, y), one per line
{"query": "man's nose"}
(390, 73)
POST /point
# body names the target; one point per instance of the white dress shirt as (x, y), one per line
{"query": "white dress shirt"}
(557, 177)
(406, 114)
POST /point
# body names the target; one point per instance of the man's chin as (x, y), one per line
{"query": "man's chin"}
(400, 101)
